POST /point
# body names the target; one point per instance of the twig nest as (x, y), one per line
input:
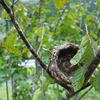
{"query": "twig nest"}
(60, 67)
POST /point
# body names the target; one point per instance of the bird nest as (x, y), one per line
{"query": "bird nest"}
(60, 67)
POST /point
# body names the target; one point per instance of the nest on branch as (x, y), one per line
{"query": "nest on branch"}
(60, 67)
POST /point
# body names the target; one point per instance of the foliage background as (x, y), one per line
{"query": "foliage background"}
(45, 26)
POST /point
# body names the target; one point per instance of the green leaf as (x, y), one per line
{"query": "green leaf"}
(93, 35)
(84, 42)
(7, 57)
(24, 84)
(95, 81)
(78, 56)
(16, 76)
(83, 58)
(11, 39)
(8, 2)
(2, 36)
(39, 31)
(12, 49)
(29, 54)
(3, 72)
(98, 26)
(12, 70)
(72, 5)
(47, 83)
(5, 78)
(78, 78)
(43, 79)
(60, 3)
(70, 16)
(4, 14)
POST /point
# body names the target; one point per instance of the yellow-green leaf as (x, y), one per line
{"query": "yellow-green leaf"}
(4, 14)
(12, 49)
(60, 3)
(11, 39)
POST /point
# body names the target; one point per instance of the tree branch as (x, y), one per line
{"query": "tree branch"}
(14, 3)
(15, 23)
(88, 74)
(85, 93)
(69, 94)
(92, 66)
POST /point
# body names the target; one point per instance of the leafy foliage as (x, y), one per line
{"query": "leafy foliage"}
(95, 80)
(83, 58)
(44, 33)
(60, 4)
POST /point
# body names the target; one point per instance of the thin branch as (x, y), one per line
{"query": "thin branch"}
(14, 2)
(29, 22)
(9, 20)
(39, 25)
(76, 96)
(89, 39)
(39, 15)
(85, 93)
(34, 86)
(63, 10)
(15, 23)
(80, 23)
(27, 27)
(41, 41)
(12, 7)
(69, 94)
(33, 89)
